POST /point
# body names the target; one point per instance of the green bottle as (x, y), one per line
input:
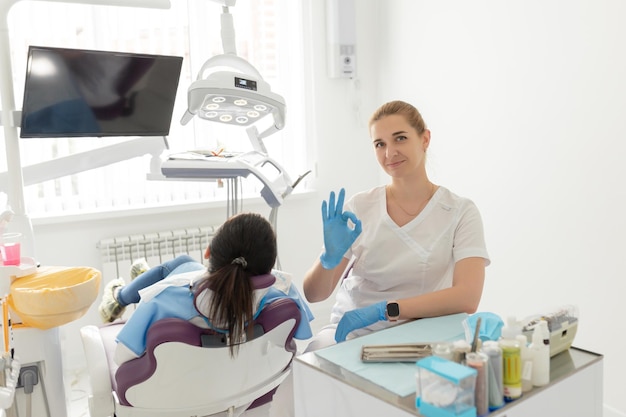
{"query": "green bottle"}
(511, 360)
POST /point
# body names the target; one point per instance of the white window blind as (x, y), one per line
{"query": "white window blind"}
(268, 35)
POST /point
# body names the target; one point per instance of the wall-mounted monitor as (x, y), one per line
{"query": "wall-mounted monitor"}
(90, 93)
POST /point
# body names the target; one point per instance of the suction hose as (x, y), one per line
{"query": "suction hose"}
(29, 380)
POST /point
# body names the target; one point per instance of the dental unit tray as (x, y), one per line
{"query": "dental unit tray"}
(403, 352)
(196, 165)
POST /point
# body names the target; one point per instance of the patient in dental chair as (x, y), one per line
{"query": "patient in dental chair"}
(225, 297)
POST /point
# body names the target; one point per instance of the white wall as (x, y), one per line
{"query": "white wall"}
(525, 101)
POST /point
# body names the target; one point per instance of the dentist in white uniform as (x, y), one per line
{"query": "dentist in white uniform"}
(412, 249)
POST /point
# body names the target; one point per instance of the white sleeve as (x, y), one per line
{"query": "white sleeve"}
(469, 237)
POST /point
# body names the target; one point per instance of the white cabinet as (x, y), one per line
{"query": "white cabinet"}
(577, 394)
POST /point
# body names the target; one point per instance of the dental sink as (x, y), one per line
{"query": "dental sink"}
(54, 295)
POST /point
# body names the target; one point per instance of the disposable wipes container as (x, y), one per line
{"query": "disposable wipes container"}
(445, 388)
(562, 324)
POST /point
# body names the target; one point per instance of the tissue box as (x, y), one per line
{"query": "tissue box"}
(562, 323)
(445, 388)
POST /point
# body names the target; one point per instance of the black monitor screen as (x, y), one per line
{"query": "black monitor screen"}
(74, 92)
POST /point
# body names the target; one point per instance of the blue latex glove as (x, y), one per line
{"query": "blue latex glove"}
(359, 318)
(338, 235)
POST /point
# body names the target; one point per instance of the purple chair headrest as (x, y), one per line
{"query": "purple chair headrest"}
(262, 281)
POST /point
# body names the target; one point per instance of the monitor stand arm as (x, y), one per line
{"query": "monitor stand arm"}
(95, 158)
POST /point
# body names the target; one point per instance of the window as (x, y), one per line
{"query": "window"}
(268, 35)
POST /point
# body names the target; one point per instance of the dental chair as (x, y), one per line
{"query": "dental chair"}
(188, 370)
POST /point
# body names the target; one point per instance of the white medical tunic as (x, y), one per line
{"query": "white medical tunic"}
(393, 262)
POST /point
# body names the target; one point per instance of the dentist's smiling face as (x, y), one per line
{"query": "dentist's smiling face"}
(400, 150)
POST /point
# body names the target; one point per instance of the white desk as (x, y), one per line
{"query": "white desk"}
(324, 388)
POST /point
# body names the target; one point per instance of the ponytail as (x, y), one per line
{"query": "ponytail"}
(231, 303)
(244, 246)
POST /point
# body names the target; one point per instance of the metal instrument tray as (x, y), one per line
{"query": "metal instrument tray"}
(403, 352)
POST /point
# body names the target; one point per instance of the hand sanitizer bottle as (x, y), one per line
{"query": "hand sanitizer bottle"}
(540, 352)
(511, 360)
(527, 363)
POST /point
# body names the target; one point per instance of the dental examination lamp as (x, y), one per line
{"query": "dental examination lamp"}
(238, 98)
(231, 91)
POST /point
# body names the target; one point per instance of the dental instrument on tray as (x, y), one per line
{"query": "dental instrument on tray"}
(402, 352)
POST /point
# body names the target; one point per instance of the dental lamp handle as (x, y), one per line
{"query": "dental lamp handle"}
(186, 117)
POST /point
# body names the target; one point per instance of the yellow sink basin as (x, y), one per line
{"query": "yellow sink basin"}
(54, 295)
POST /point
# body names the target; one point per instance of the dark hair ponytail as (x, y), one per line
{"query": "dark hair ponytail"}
(244, 246)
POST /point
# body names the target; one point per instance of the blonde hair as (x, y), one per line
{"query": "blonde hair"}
(410, 113)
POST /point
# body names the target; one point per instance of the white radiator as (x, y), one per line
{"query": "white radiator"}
(118, 253)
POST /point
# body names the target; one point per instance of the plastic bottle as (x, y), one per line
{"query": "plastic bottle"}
(527, 363)
(496, 397)
(459, 349)
(511, 360)
(443, 350)
(540, 352)
(480, 362)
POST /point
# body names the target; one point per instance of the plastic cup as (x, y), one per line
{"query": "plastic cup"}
(11, 249)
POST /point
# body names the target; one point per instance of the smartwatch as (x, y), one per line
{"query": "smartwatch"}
(393, 311)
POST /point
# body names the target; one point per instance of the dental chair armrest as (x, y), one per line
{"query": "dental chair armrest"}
(100, 398)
